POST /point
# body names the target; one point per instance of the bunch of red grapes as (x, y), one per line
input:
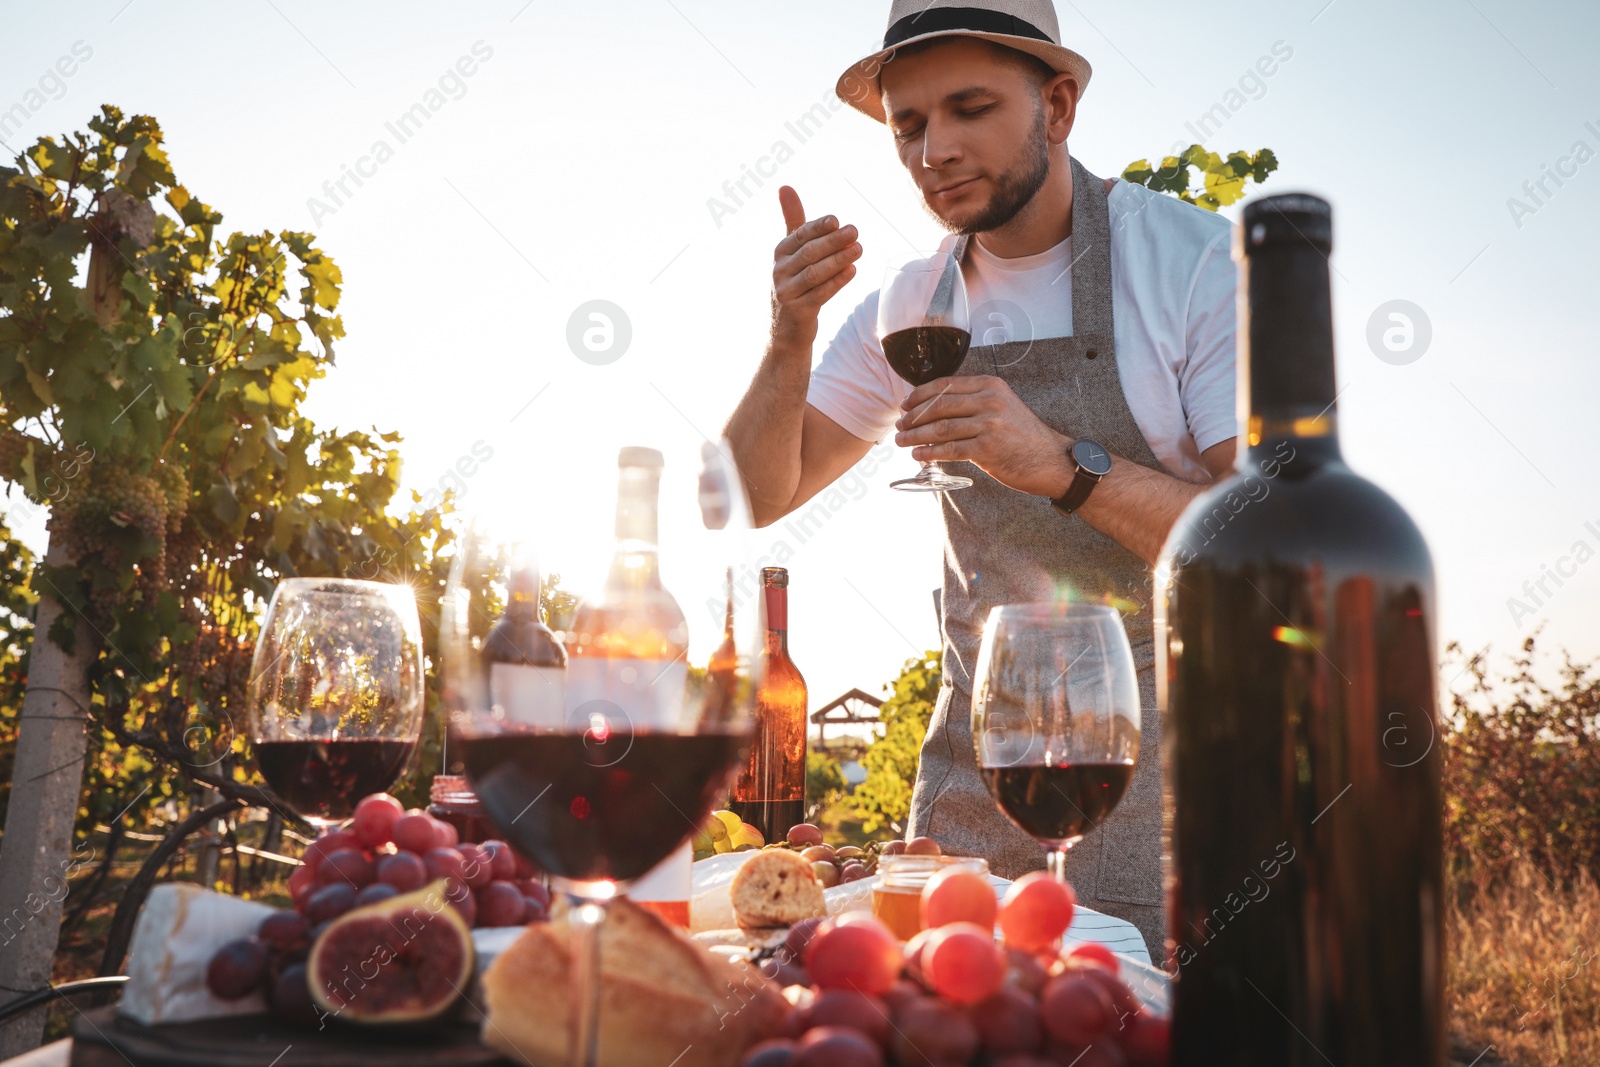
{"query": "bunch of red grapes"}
(382, 852)
(954, 995)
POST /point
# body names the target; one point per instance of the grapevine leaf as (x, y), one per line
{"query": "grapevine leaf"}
(1222, 179)
(224, 504)
(30, 473)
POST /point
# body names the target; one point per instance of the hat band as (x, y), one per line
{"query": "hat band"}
(971, 19)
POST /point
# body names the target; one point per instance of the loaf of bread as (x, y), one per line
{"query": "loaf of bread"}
(776, 887)
(663, 998)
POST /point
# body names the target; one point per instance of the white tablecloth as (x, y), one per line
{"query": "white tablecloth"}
(710, 909)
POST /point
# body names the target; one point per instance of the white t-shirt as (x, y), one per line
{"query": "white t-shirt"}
(1172, 292)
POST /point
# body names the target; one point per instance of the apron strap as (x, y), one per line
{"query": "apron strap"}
(1091, 253)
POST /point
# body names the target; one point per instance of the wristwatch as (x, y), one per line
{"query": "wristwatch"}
(1091, 463)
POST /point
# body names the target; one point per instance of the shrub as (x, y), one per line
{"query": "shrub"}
(824, 783)
(1522, 772)
(891, 761)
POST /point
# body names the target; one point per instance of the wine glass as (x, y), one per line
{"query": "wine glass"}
(925, 327)
(599, 763)
(1055, 718)
(336, 693)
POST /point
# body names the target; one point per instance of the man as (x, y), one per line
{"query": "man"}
(1096, 402)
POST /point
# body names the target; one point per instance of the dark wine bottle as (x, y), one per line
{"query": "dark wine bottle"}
(527, 665)
(770, 792)
(1301, 740)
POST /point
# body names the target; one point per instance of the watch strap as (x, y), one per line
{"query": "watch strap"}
(1083, 484)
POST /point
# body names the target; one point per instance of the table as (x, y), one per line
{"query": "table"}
(55, 1054)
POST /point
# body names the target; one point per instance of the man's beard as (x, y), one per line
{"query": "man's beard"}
(1014, 189)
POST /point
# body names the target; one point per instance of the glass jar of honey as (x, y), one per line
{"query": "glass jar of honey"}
(897, 898)
(454, 802)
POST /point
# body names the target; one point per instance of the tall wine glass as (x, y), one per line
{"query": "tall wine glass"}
(1055, 718)
(336, 693)
(925, 327)
(599, 763)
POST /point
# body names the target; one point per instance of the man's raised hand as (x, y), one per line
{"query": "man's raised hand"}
(812, 263)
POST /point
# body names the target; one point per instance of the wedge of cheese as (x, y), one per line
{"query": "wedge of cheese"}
(179, 930)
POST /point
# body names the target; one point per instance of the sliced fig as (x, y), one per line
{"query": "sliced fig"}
(401, 960)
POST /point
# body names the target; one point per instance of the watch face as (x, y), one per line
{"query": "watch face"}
(1092, 458)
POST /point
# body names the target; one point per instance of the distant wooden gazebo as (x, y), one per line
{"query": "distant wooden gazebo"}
(854, 707)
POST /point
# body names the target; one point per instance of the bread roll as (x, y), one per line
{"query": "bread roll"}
(776, 888)
(663, 998)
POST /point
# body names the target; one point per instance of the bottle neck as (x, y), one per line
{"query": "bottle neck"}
(638, 496)
(636, 563)
(522, 595)
(1286, 369)
(1311, 438)
(777, 618)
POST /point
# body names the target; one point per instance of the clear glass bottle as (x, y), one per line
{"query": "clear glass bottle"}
(770, 792)
(628, 643)
(628, 648)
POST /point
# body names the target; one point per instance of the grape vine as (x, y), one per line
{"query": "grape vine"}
(152, 374)
(1222, 179)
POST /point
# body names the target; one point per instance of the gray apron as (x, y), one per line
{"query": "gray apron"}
(1005, 547)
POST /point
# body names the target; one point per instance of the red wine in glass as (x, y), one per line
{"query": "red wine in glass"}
(925, 353)
(1055, 719)
(1060, 802)
(925, 327)
(324, 779)
(599, 806)
(335, 697)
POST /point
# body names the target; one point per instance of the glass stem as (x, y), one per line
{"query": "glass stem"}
(583, 1037)
(1057, 860)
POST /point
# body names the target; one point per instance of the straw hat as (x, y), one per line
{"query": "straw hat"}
(1027, 25)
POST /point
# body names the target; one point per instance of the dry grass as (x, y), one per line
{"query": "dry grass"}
(1525, 970)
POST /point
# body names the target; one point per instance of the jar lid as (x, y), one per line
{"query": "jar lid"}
(908, 872)
(452, 787)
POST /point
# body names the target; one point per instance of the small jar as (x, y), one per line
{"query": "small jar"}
(454, 802)
(897, 898)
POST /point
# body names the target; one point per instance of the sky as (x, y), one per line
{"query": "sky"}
(584, 153)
